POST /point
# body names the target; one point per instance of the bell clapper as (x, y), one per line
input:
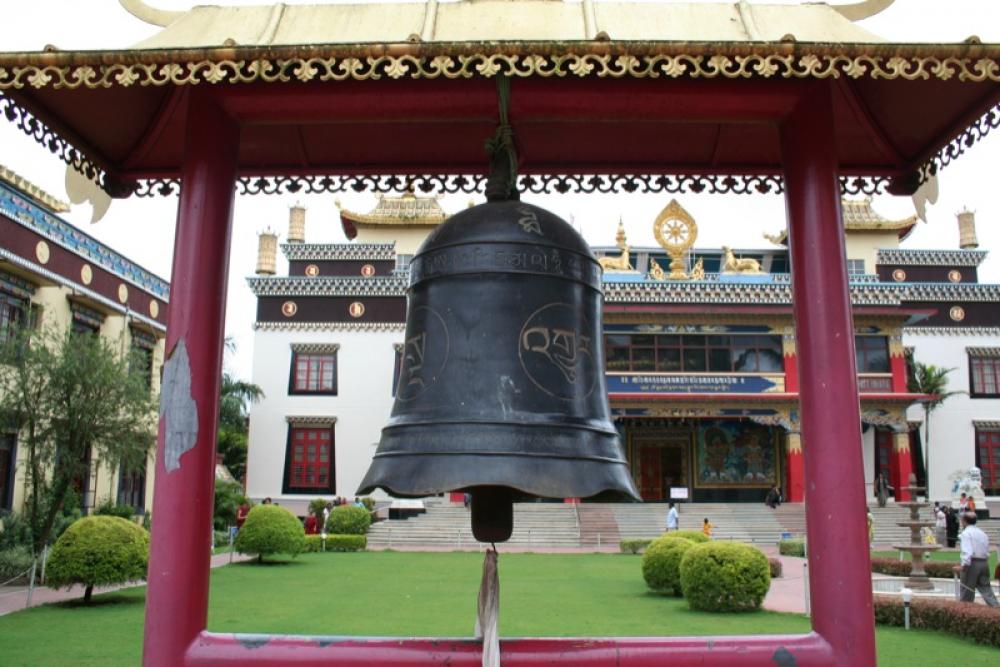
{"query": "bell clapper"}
(492, 513)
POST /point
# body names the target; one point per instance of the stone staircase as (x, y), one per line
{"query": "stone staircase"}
(600, 526)
(448, 526)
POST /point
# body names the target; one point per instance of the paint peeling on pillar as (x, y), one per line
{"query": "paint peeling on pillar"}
(251, 642)
(784, 658)
(177, 408)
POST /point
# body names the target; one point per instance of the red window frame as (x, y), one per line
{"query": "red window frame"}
(984, 376)
(309, 460)
(313, 373)
(988, 459)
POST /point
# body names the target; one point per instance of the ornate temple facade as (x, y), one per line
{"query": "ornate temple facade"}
(699, 345)
(54, 275)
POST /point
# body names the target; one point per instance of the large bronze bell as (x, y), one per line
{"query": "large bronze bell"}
(501, 391)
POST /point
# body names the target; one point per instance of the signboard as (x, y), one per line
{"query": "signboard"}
(678, 493)
(688, 383)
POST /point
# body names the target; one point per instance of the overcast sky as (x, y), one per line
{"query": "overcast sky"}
(143, 229)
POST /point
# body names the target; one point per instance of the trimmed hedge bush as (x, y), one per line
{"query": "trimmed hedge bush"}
(270, 529)
(695, 536)
(314, 543)
(633, 546)
(14, 562)
(973, 621)
(724, 576)
(348, 520)
(901, 568)
(97, 551)
(774, 565)
(792, 548)
(661, 564)
(108, 508)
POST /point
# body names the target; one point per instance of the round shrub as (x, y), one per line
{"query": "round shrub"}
(661, 563)
(695, 536)
(97, 551)
(348, 520)
(270, 529)
(724, 576)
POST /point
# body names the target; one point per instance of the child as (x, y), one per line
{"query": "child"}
(706, 528)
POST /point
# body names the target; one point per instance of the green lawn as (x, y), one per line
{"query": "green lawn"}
(385, 593)
(944, 556)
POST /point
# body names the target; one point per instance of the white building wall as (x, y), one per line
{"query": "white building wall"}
(952, 434)
(361, 407)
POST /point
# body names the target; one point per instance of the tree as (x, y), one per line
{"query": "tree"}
(933, 381)
(98, 551)
(70, 397)
(235, 399)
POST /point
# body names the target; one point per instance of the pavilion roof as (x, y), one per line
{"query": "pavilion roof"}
(859, 216)
(333, 97)
(407, 210)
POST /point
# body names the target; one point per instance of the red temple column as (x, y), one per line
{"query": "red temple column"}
(795, 492)
(897, 363)
(902, 464)
(179, 563)
(840, 575)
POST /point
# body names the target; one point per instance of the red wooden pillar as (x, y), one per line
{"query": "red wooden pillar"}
(839, 576)
(902, 464)
(177, 598)
(795, 491)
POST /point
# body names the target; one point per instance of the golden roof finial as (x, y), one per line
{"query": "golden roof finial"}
(620, 239)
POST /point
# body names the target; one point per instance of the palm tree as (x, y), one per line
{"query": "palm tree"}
(235, 398)
(933, 381)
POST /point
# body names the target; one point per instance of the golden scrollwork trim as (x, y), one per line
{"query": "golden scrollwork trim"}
(315, 348)
(137, 68)
(311, 420)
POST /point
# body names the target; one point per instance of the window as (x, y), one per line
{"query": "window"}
(314, 369)
(984, 372)
(85, 320)
(856, 266)
(8, 459)
(309, 460)
(648, 353)
(871, 354)
(13, 316)
(988, 459)
(141, 361)
(132, 488)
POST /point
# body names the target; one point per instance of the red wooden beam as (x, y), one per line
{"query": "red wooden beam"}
(218, 650)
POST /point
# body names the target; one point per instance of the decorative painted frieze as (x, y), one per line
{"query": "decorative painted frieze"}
(914, 257)
(339, 251)
(749, 292)
(329, 326)
(951, 292)
(315, 348)
(327, 286)
(27, 213)
(952, 331)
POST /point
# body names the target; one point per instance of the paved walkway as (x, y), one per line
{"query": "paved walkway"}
(14, 598)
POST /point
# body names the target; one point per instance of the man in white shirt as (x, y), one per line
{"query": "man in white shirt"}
(975, 562)
(672, 518)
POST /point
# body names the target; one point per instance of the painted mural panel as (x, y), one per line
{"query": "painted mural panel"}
(736, 454)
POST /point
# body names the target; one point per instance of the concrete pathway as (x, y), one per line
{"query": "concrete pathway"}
(14, 598)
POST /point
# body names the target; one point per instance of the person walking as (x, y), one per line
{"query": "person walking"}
(951, 526)
(975, 562)
(672, 518)
(871, 528)
(940, 524)
(772, 498)
(706, 528)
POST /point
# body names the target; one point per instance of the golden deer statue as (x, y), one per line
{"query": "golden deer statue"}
(733, 264)
(620, 263)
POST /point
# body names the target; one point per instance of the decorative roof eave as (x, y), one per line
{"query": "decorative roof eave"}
(989, 332)
(339, 251)
(327, 286)
(967, 62)
(33, 191)
(738, 293)
(951, 292)
(460, 60)
(907, 257)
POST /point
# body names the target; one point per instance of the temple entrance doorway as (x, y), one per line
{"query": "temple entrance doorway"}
(663, 463)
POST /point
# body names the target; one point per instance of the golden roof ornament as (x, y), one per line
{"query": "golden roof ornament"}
(620, 234)
(621, 263)
(676, 231)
